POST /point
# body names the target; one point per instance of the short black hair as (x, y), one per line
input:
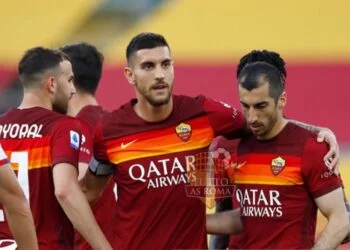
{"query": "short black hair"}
(145, 41)
(87, 64)
(251, 75)
(267, 56)
(36, 61)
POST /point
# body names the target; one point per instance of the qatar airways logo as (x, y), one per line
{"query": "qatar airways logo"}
(259, 202)
(164, 172)
(203, 175)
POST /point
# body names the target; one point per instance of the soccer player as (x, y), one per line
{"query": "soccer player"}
(44, 147)
(150, 145)
(16, 208)
(273, 58)
(282, 178)
(87, 64)
(277, 61)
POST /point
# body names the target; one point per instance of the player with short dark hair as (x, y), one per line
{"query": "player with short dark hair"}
(273, 58)
(270, 57)
(282, 178)
(44, 147)
(87, 64)
(150, 145)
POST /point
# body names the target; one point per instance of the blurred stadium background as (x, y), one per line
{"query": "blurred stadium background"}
(207, 38)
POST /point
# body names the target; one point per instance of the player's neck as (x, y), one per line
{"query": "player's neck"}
(79, 101)
(153, 114)
(35, 99)
(277, 128)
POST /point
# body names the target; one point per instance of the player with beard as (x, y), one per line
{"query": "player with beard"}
(87, 64)
(273, 58)
(282, 178)
(43, 146)
(150, 145)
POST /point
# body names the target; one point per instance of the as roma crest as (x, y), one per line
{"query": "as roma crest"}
(184, 131)
(277, 165)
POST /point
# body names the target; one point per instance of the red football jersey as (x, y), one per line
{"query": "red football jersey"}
(105, 208)
(3, 157)
(277, 182)
(152, 163)
(35, 140)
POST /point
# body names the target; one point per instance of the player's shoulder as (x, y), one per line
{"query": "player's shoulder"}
(185, 100)
(300, 133)
(89, 111)
(36, 115)
(63, 122)
(313, 147)
(308, 139)
(90, 115)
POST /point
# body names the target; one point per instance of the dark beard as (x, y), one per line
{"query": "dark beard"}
(60, 108)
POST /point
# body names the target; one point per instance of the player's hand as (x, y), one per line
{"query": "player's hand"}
(331, 159)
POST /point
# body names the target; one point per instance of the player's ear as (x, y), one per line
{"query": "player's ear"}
(50, 84)
(129, 75)
(282, 101)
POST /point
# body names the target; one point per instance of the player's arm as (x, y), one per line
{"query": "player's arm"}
(325, 187)
(76, 207)
(17, 209)
(324, 134)
(225, 120)
(227, 222)
(221, 241)
(332, 207)
(95, 179)
(66, 144)
(99, 171)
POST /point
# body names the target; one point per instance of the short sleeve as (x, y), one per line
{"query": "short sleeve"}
(317, 177)
(3, 157)
(87, 142)
(224, 119)
(100, 164)
(66, 141)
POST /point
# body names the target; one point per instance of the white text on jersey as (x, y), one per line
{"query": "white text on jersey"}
(20, 131)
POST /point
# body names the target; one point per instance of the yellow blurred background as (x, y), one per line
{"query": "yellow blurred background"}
(207, 39)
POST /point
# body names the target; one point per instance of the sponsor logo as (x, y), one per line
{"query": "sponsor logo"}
(234, 111)
(74, 140)
(203, 175)
(327, 174)
(277, 165)
(83, 139)
(184, 131)
(163, 172)
(125, 145)
(259, 202)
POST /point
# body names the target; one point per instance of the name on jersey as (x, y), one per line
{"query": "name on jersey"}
(164, 172)
(20, 131)
(259, 202)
